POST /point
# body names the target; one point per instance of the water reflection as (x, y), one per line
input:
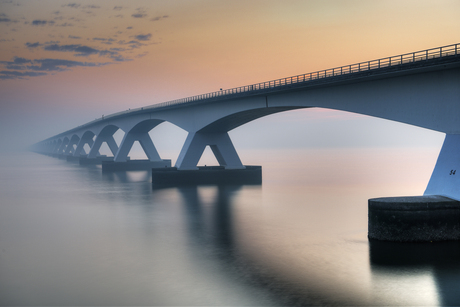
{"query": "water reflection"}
(221, 219)
(116, 241)
(213, 230)
(437, 261)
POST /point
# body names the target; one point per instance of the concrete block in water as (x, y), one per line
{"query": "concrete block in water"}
(134, 165)
(94, 161)
(414, 219)
(164, 177)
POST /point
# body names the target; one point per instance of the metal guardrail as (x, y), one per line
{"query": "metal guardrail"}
(347, 70)
(338, 71)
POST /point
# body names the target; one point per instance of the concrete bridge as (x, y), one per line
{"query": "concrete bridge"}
(419, 88)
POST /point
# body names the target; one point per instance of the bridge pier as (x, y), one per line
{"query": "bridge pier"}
(104, 136)
(146, 143)
(435, 216)
(69, 148)
(220, 144)
(62, 146)
(87, 138)
(445, 179)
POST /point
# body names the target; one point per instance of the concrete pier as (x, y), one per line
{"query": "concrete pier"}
(94, 161)
(166, 177)
(74, 158)
(134, 165)
(414, 219)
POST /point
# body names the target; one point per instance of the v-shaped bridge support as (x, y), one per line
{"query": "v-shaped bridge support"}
(220, 144)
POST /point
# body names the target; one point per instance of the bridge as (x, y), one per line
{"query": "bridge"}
(419, 88)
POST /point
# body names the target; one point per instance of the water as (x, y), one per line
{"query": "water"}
(71, 235)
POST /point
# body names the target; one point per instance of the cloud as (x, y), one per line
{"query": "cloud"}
(91, 7)
(19, 68)
(79, 49)
(6, 74)
(33, 45)
(117, 8)
(58, 64)
(139, 15)
(72, 5)
(38, 22)
(4, 18)
(143, 37)
(74, 37)
(65, 24)
(159, 18)
(18, 60)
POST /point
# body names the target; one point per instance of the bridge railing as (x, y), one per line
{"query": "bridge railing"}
(332, 72)
(418, 56)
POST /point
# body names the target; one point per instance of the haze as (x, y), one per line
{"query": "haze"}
(67, 63)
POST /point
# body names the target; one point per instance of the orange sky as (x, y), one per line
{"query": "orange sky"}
(67, 62)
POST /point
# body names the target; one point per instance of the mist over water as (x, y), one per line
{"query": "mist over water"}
(72, 235)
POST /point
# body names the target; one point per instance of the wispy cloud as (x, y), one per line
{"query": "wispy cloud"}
(141, 13)
(87, 50)
(80, 50)
(158, 18)
(4, 18)
(72, 5)
(33, 45)
(38, 22)
(143, 37)
(58, 64)
(19, 68)
(7, 74)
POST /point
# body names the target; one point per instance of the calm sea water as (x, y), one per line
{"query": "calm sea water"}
(72, 235)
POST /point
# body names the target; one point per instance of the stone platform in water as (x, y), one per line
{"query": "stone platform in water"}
(414, 219)
(206, 175)
(94, 161)
(134, 165)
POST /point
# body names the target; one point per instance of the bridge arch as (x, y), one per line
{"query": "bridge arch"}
(86, 138)
(65, 140)
(104, 136)
(139, 132)
(73, 141)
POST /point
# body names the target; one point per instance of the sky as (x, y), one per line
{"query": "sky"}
(65, 63)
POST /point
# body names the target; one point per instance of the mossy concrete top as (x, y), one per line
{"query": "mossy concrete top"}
(413, 203)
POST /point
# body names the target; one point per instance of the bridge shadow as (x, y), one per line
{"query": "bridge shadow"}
(441, 259)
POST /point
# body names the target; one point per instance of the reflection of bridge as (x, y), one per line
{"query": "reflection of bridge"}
(420, 88)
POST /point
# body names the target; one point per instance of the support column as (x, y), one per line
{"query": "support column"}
(69, 149)
(146, 143)
(101, 138)
(63, 146)
(445, 179)
(80, 147)
(56, 147)
(221, 145)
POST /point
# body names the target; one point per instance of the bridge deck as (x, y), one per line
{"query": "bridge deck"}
(399, 64)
